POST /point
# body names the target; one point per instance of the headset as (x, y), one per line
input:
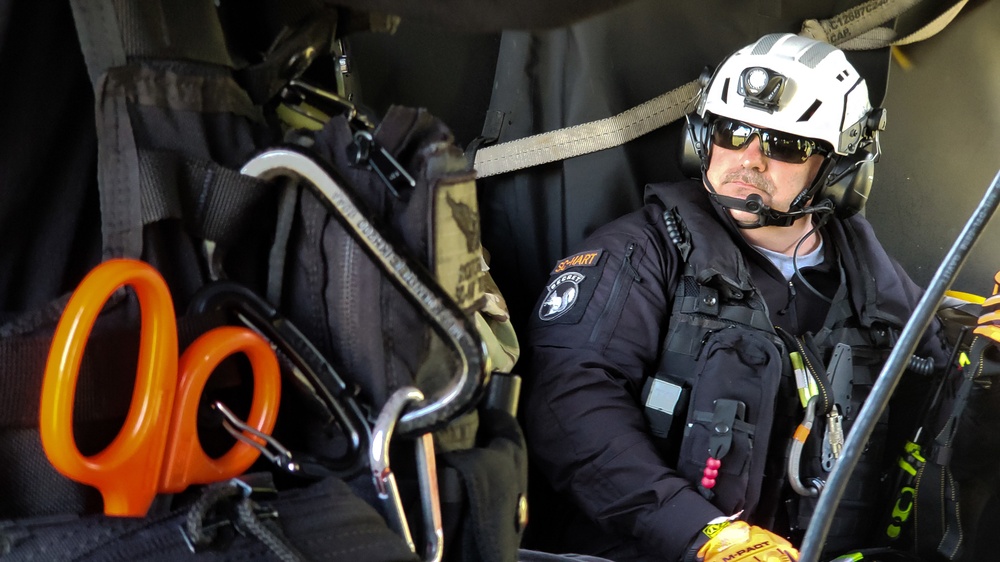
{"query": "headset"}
(799, 86)
(842, 184)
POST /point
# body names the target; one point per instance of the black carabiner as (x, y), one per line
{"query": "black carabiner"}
(309, 366)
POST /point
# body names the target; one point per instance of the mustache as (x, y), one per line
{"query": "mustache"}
(750, 177)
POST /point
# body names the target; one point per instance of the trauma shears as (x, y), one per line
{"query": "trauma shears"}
(157, 450)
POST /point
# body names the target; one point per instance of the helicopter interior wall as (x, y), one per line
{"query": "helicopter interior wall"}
(942, 146)
(942, 149)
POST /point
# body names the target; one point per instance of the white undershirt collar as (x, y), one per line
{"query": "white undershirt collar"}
(784, 263)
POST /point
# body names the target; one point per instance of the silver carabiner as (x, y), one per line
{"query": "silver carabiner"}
(473, 368)
(385, 479)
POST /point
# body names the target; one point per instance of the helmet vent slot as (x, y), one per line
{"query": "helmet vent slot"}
(809, 112)
(725, 91)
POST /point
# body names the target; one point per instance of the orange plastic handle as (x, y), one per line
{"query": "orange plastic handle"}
(127, 471)
(186, 462)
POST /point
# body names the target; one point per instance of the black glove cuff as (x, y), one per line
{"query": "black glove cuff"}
(691, 554)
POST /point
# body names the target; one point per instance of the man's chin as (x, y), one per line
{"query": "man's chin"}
(743, 218)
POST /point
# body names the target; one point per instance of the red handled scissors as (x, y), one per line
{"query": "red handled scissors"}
(157, 450)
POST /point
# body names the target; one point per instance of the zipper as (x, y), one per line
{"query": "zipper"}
(824, 391)
(346, 314)
(617, 297)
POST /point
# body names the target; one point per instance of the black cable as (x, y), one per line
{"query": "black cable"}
(823, 217)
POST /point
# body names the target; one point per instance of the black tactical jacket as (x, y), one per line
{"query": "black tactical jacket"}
(598, 332)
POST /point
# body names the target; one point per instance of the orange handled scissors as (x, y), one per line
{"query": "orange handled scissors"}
(157, 450)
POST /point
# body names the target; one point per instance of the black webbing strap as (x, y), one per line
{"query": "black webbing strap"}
(19, 324)
(287, 204)
(100, 37)
(324, 521)
(180, 30)
(213, 200)
(112, 31)
(105, 384)
(707, 301)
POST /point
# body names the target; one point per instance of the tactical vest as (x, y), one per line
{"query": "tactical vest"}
(727, 370)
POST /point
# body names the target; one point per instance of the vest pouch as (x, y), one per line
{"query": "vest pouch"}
(665, 404)
(730, 416)
(484, 492)
(337, 294)
(865, 492)
(959, 483)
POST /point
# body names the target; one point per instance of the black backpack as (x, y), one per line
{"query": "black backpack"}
(390, 298)
(946, 480)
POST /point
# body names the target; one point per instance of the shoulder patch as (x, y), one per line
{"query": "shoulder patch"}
(587, 258)
(561, 294)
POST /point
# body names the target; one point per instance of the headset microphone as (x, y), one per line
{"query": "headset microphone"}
(767, 216)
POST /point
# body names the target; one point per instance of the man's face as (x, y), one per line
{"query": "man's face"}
(747, 170)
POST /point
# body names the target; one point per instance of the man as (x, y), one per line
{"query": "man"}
(693, 336)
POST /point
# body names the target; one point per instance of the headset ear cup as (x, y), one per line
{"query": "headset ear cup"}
(693, 149)
(849, 183)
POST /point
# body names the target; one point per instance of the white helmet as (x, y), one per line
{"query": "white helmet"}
(793, 84)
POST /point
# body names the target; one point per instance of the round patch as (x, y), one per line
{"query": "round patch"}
(562, 294)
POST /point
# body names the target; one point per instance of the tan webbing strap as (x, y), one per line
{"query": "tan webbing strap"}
(854, 29)
(935, 26)
(587, 137)
(856, 21)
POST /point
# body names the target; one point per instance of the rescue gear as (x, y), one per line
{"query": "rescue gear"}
(732, 542)
(185, 97)
(948, 540)
(717, 308)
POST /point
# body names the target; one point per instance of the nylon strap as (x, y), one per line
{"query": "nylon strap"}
(857, 29)
(935, 26)
(213, 200)
(278, 256)
(587, 137)
(99, 36)
(854, 29)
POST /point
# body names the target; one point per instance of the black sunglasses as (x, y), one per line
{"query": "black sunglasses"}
(777, 145)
